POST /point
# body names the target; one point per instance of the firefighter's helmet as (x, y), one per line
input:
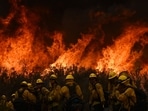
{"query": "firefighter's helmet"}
(13, 95)
(129, 80)
(23, 83)
(29, 84)
(126, 73)
(39, 81)
(92, 75)
(112, 75)
(69, 76)
(123, 79)
(53, 76)
(3, 97)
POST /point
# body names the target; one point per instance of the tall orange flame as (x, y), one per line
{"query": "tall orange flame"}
(23, 46)
(120, 55)
(73, 55)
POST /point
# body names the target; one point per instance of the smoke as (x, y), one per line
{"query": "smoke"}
(75, 17)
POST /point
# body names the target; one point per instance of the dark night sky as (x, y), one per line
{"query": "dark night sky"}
(72, 16)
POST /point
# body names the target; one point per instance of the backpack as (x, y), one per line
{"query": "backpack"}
(19, 103)
(74, 102)
(141, 103)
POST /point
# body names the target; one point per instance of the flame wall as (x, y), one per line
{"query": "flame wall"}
(32, 37)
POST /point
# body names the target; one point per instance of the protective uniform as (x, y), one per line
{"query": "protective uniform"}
(96, 99)
(27, 96)
(113, 102)
(112, 82)
(65, 90)
(31, 105)
(10, 106)
(30, 87)
(3, 103)
(41, 93)
(54, 96)
(10, 103)
(68, 93)
(125, 93)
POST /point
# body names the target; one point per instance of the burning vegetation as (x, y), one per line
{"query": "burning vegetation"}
(26, 45)
(110, 40)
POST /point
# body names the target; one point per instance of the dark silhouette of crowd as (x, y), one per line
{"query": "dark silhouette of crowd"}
(10, 80)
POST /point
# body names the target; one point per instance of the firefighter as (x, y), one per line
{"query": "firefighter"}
(41, 93)
(30, 87)
(31, 105)
(12, 97)
(10, 103)
(23, 97)
(3, 103)
(125, 93)
(114, 103)
(96, 99)
(72, 95)
(54, 96)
